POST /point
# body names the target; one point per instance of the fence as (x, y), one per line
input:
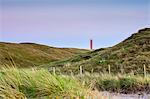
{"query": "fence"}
(54, 69)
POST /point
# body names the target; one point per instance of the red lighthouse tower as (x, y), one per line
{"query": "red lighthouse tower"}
(91, 44)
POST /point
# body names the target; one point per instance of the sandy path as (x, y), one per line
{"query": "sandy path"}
(107, 95)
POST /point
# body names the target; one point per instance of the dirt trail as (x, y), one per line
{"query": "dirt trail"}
(107, 95)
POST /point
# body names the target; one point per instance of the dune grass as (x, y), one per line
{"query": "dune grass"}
(31, 83)
(25, 83)
(126, 84)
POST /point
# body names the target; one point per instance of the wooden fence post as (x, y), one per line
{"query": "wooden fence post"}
(54, 70)
(109, 69)
(72, 75)
(144, 70)
(92, 71)
(81, 71)
(121, 69)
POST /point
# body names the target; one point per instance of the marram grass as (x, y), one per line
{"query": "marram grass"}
(25, 83)
(31, 83)
(128, 83)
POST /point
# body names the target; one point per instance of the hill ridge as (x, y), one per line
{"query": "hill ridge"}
(128, 56)
(30, 54)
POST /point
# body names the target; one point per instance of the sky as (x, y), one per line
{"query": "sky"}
(72, 23)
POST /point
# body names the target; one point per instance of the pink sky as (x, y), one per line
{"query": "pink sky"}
(71, 25)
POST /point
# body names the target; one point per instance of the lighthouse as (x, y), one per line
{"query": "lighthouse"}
(91, 44)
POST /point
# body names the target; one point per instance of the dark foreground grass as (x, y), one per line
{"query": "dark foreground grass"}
(21, 84)
(30, 83)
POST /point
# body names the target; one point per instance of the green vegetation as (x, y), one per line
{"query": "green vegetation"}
(118, 83)
(30, 83)
(62, 72)
(129, 56)
(30, 54)
(26, 83)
